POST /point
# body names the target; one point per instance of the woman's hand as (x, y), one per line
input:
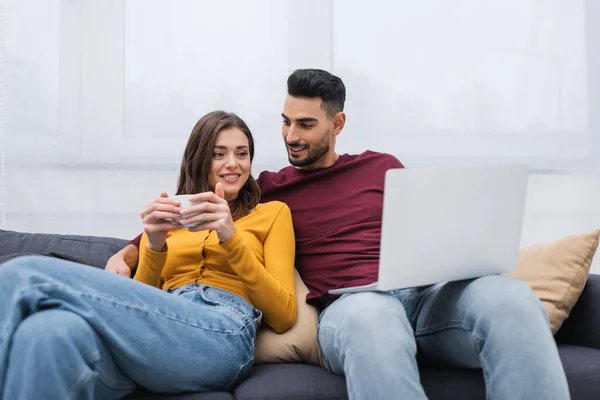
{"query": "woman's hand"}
(159, 218)
(212, 213)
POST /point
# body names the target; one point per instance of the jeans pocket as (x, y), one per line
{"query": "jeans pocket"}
(258, 315)
(178, 291)
(228, 303)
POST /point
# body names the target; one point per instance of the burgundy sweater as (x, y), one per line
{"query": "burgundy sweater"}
(337, 219)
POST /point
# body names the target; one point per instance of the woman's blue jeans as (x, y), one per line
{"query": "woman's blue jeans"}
(69, 331)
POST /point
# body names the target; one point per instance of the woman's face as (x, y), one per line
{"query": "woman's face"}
(230, 162)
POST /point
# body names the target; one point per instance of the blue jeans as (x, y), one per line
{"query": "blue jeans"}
(495, 323)
(69, 331)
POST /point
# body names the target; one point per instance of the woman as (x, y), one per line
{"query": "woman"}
(69, 331)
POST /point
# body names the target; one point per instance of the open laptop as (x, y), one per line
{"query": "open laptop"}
(449, 224)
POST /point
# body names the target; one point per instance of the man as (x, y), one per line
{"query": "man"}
(495, 323)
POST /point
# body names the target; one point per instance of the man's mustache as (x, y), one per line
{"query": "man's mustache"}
(296, 144)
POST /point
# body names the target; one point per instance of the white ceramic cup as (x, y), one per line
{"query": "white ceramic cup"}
(184, 202)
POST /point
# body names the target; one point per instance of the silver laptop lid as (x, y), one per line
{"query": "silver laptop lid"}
(445, 224)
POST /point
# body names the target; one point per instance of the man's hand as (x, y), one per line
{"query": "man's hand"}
(124, 261)
(118, 268)
(213, 213)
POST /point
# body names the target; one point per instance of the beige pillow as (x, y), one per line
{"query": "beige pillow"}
(557, 272)
(296, 345)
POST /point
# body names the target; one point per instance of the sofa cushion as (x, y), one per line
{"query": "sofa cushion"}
(297, 381)
(143, 395)
(582, 328)
(291, 381)
(582, 367)
(90, 250)
(557, 272)
(452, 383)
(297, 344)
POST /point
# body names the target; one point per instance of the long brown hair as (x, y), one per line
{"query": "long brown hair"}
(198, 155)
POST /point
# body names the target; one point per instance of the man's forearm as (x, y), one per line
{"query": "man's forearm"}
(128, 255)
(131, 256)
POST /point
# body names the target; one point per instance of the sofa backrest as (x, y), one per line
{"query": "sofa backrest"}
(90, 250)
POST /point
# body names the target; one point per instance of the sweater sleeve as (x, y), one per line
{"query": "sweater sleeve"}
(270, 286)
(136, 241)
(150, 265)
(392, 162)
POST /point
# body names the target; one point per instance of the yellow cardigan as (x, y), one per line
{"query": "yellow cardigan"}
(256, 263)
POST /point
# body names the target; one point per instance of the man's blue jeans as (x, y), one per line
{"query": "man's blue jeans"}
(69, 331)
(495, 323)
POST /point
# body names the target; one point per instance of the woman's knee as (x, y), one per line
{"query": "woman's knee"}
(20, 267)
(54, 331)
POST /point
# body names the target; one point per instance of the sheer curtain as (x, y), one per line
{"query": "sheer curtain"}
(99, 96)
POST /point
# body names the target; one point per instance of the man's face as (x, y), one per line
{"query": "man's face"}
(307, 132)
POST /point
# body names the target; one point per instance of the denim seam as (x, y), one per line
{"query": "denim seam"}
(242, 367)
(94, 357)
(323, 358)
(474, 338)
(322, 362)
(130, 306)
(336, 348)
(442, 327)
(85, 376)
(484, 368)
(113, 384)
(250, 361)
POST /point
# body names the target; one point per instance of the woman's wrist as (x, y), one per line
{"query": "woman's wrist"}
(157, 247)
(225, 236)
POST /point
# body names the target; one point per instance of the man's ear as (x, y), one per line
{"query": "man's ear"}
(339, 120)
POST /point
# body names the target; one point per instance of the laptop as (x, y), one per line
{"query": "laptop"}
(449, 224)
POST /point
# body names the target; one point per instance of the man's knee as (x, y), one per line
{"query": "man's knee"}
(367, 309)
(509, 303)
(367, 318)
(505, 293)
(366, 328)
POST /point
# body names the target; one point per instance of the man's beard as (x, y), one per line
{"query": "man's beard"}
(315, 152)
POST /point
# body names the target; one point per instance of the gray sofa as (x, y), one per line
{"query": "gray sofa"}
(578, 339)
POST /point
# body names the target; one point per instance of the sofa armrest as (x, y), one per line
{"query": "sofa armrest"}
(582, 327)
